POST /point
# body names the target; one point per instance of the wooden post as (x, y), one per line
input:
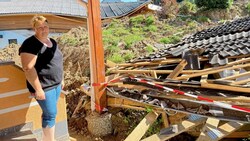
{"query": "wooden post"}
(97, 70)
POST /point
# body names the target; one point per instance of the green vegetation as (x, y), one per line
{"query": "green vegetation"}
(155, 127)
(137, 20)
(116, 58)
(212, 4)
(187, 7)
(170, 40)
(149, 49)
(248, 7)
(124, 39)
(132, 38)
(69, 40)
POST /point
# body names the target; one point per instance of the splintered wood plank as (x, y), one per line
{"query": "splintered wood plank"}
(149, 71)
(178, 69)
(225, 87)
(215, 134)
(175, 130)
(212, 71)
(143, 126)
(168, 61)
(210, 124)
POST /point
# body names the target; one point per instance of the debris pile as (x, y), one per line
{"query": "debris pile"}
(206, 74)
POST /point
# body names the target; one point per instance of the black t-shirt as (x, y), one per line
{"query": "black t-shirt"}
(49, 63)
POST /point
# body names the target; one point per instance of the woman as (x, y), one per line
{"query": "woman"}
(42, 63)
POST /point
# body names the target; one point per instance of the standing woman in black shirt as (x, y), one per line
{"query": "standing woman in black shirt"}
(42, 63)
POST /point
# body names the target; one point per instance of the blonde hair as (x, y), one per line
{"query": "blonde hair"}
(38, 18)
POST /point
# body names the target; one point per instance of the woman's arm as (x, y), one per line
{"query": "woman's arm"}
(28, 62)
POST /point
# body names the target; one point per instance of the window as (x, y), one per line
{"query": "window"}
(12, 41)
(1, 36)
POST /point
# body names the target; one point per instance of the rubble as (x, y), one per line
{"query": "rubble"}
(206, 74)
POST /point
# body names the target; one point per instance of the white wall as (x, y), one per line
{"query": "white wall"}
(20, 35)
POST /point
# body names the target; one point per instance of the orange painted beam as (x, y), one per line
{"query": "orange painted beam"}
(97, 67)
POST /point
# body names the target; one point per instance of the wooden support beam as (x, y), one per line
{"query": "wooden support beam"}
(240, 100)
(142, 127)
(167, 61)
(215, 134)
(177, 70)
(212, 71)
(225, 87)
(157, 71)
(185, 125)
(97, 69)
(240, 134)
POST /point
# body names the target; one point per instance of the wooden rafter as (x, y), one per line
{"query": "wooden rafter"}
(142, 127)
(185, 125)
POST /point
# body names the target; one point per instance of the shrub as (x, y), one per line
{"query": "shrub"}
(186, 7)
(211, 4)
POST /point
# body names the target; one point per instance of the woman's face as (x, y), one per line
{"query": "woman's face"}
(41, 29)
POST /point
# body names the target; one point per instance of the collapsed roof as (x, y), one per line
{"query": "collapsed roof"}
(217, 43)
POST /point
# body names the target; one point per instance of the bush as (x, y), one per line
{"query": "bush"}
(211, 4)
(187, 7)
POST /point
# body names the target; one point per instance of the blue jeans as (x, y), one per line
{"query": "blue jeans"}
(49, 106)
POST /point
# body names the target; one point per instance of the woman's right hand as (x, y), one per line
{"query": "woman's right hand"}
(40, 95)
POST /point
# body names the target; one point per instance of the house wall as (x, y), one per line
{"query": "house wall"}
(19, 35)
(7, 35)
